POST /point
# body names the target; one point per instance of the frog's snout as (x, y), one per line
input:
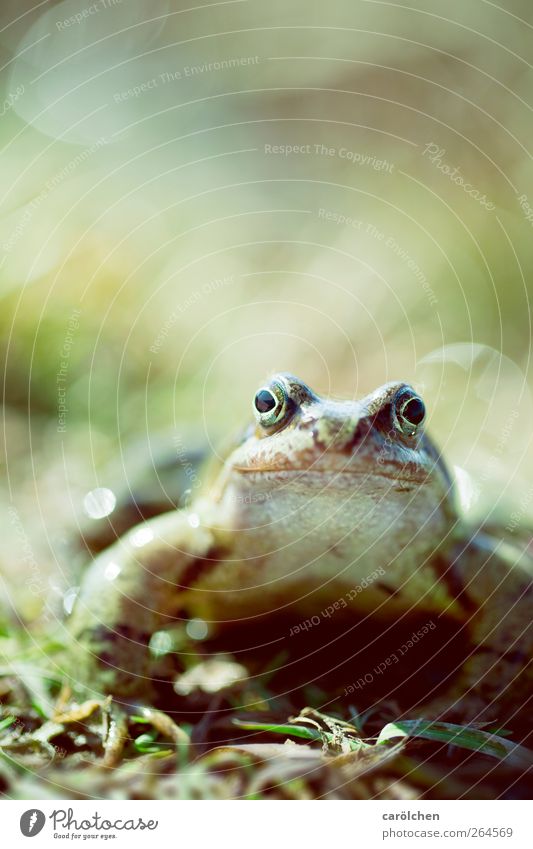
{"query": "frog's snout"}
(339, 433)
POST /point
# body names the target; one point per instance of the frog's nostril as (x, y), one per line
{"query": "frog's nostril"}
(355, 439)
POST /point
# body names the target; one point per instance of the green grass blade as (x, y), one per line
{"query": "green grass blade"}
(458, 735)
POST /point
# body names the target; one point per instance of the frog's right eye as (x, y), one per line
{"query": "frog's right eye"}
(271, 404)
(409, 411)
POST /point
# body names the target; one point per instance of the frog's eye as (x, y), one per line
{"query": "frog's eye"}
(271, 404)
(409, 411)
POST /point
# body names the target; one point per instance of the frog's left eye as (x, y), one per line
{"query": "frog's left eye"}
(410, 412)
(271, 404)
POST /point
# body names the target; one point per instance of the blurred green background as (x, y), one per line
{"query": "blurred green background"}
(194, 197)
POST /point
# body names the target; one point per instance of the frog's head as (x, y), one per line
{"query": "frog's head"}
(337, 483)
(368, 459)
(301, 436)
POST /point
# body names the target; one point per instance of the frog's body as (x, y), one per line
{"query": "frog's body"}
(311, 503)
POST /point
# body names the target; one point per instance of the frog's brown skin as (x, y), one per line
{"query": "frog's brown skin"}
(302, 511)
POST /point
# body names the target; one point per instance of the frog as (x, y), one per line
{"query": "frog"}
(321, 504)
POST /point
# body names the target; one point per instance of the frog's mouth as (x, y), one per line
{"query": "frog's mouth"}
(397, 473)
